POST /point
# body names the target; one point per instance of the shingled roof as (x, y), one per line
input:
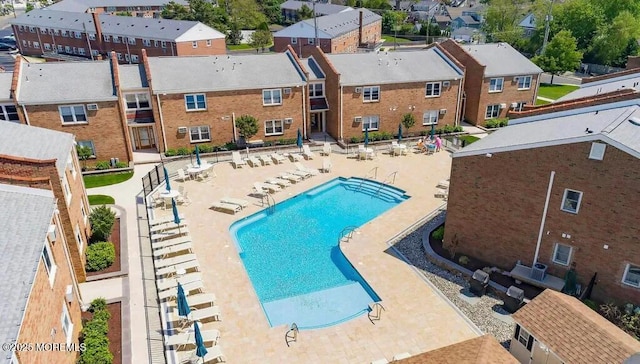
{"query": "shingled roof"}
(481, 350)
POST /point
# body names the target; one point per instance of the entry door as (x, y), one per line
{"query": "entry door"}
(539, 354)
(316, 122)
(143, 138)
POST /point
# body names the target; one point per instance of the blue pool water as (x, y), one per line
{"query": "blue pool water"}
(292, 255)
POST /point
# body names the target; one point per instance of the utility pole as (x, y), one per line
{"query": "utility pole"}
(315, 24)
(547, 19)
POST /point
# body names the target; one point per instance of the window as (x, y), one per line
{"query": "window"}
(92, 36)
(156, 43)
(631, 275)
(272, 97)
(132, 41)
(81, 51)
(95, 52)
(163, 44)
(523, 337)
(56, 32)
(208, 42)
(76, 231)
(316, 90)
(60, 49)
(137, 101)
(66, 189)
(36, 45)
(72, 167)
(43, 30)
(9, 113)
(433, 89)
(88, 144)
(119, 55)
(524, 82)
(32, 29)
(199, 134)
(106, 38)
(64, 33)
(273, 127)
(371, 122)
(562, 254)
(78, 35)
(126, 57)
(84, 213)
(519, 106)
(493, 111)
(194, 44)
(495, 84)
(195, 102)
(24, 43)
(571, 201)
(75, 50)
(311, 40)
(116, 39)
(430, 117)
(597, 151)
(371, 93)
(73, 114)
(146, 42)
(135, 58)
(294, 40)
(21, 28)
(47, 47)
(67, 326)
(49, 263)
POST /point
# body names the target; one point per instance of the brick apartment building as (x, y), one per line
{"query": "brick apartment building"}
(40, 299)
(60, 35)
(559, 188)
(137, 8)
(47, 159)
(290, 9)
(374, 90)
(591, 86)
(344, 32)
(498, 79)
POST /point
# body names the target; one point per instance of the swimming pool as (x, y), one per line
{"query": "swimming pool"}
(293, 258)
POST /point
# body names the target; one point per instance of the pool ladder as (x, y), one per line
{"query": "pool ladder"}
(375, 176)
(292, 334)
(271, 203)
(389, 180)
(347, 233)
(376, 312)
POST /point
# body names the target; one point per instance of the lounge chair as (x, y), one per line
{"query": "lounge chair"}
(206, 313)
(326, 149)
(295, 157)
(253, 161)
(160, 263)
(225, 207)
(170, 294)
(300, 167)
(168, 226)
(172, 283)
(301, 174)
(259, 191)
(172, 269)
(181, 175)
(213, 353)
(326, 165)
(170, 242)
(440, 193)
(163, 220)
(444, 184)
(265, 159)
(173, 249)
(157, 201)
(278, 182)
(236, 160)
(268, 187)
(290, 177)
(171, 234)
(198, 299)
(235, 201)
(277, 158)
(184, 199)
(307, 153)
(187, 338)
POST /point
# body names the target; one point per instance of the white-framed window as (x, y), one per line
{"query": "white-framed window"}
(132, 41)
(194, 44)
(273, 127)
(73, 114)
(107, 38)
(311, 41)
(64, 33)
(78, 35)
(493, 111)
(524, 337)
(208, 42)
(49, 262)
(9, 113)
(156, 43)
(430, 117)
(95, 52)
(571, 201)
(631, 275)
(67, 49)
(370, 122)
(56, 32)
(496, 84)
(371, 94)
(146, 42)
(119, 56)
(163, 44)
(519, 106)
(126, 57)
(294, 40)
(433, 89)
(36, 44)
(72, 167)
(135, 58)
(84, 213)
(76, 231)
(66, 189)
(24, 43)
(32, 29)
(195, 102)
(524, 82)
(116, 39)
(316, 90)
(92, 36)
(60, 49)
(562, 254)
(21, 28)
(47, 46)
(272, 97)
(88, 144)
(199, 133)
(67, 325)
(137, 101)
(597, 151)
(81, 51)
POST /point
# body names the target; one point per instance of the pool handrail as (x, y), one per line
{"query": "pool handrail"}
(375, 176)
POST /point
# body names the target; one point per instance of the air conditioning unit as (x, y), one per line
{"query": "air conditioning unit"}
(502, 106)
(446, 84)
(514, 105)
(357, 119)
(182, 130)
(358, 90)
(51, 233)
(515, 79)
(68, 294)
(92, 107)
(287, 90)
(443, 111)
(538, 271)
(288, 121)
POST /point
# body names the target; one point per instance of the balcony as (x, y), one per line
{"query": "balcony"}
(537, 276)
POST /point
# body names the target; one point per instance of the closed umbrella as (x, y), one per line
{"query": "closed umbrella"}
(299, 141)
(399, 132)
(166, 179)
(198, 156)
(201, 350)
(366, 136)
(176, 216)
(433, 130)
(183, 305)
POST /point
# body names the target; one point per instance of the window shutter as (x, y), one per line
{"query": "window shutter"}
(530, 342)
(517, 332)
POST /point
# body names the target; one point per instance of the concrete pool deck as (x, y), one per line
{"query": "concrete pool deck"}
(416, 317)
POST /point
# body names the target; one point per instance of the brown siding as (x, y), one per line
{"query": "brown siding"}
(495, 207)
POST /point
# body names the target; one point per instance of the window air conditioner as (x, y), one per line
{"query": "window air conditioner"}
(502, 106)
(51, 233)
(357, 119)
(92, 106)
(443, 111)
(287, 90)
(182, 129)
(514, 105)
(515, 79)
(68, 294)
(288, 121)
(358, 90)
(446, 84)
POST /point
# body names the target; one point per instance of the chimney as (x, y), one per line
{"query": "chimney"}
(360, 28)
(96, 23)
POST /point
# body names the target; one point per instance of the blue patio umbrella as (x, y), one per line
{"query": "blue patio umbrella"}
(366, 136)
(201, 350)
(433, 131)
(299, 141)
(166, 179)
(183, 305)
(176, 216)
(198, 156)
(400, 132)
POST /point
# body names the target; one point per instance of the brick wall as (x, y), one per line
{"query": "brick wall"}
(509, 94)
(217, 46)
(303, 46)
(332, 92)
(495, 207)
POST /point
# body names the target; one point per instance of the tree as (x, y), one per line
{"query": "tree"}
(391, 19)
(561, 55)
(246, 13)
(261, 39)
(501, 21)
(305, 12)
(234, 36)
(198, 10)
(408, 121)
(580, 17)
(102, 219)
(247, 126)
(173, 10)
(84, 153)
(28, 8)
(612, 40)
(271, 8)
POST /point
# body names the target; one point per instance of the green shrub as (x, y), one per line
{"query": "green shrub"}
(94, 336)
(183, 151)
(424, 132)
(458, 129)
(100, 256)
(102, 165)
(355, 140)
(102, 219)
(170, 153)
(204, 148)
(448, 129)
(438, 233)
(101, 315)
(98, 304)
(385, 135)
(496, 123)
(591, 304)
(230, 146)
(97, 352)
(122, 165)
(464, 260)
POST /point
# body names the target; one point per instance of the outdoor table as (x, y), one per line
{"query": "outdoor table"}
(196, 170)
(399, 149)
(168, 196)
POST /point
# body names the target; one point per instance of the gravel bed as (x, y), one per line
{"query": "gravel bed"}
(482, 313)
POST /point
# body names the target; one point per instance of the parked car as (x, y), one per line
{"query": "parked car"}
(7, 47)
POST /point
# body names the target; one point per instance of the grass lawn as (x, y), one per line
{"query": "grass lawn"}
(541, 102)
(244, 47)
(391, 39)
(101, 200)
(99, 180)
(555, 92)
(468, 139)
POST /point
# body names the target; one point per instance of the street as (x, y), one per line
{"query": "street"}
(569, 79)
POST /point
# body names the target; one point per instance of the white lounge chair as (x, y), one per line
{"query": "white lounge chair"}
(171, 234)
(300, 167)
(253, 161)
(157, 201)
(277, 158)
(184, 199)
(444, 184)
(172, 283)
(268, 187)
(170, 294)
(188, 338)
(168, 226)
(225, 207)
(259, 191)
(290, 177)
(307, 153)
(206, 313)
(265, 159)
(236, 160)
(326, 165)
(181, 175)
(197, 299)
(235, 201)
(170, 242)
(326, 149)
(213, 353)
(295, 157)
(164, 220)
(160, 263)
(440, 193)
(301, 174)
(173, 249)
(172, 269)
(278, 182)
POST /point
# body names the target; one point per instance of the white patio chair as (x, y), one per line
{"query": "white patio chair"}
(184, 199)
(268, 187)
(226, 207)
(198, 299)
(295, 157)
(236, 160)
(326, 149)
(171, 270)
(307, 153)
(326, 165)
(278, 182)
(187, 338)
(235, 201)
(172, 283)
(213, 353)
(182, 176)
(173, 249)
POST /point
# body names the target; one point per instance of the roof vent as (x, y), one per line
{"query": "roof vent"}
(588, 131)
(634, 120)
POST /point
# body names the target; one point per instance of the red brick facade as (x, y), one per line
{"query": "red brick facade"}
(495, 209)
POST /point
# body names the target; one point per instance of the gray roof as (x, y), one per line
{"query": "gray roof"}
(81, 6)
(501, 59)
(25, 141)
(26, 215)
(391, 67)
(49, 83)
(630, 81)
(221, 73)
(468, 19)
(528, 22)
(330, 26)
(128, 26)
(315, 72)
(458, 10)
(611, 124)
(321, 8)
(465, 31)
(6, 79)
(132, 76)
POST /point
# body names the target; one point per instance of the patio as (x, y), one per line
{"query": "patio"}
(416, 313)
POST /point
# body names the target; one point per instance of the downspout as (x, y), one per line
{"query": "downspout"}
(304, 112)
(544, 217)
(233, 121)
(535, 94)
(459, 103)
(341, 89)
(164, 136)
(26, 116)
(67, 255)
